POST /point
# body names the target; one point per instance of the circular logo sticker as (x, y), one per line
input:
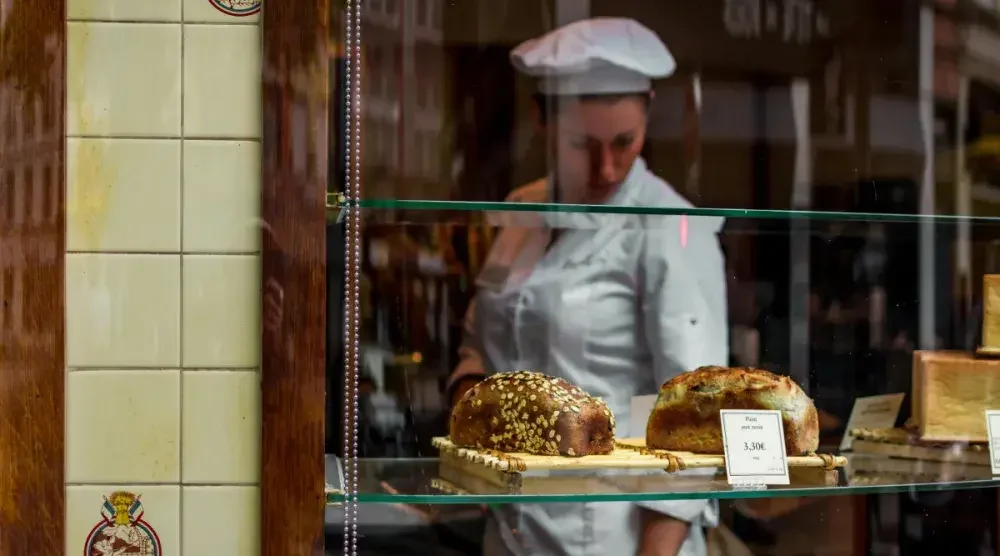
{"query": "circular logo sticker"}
(238, 8)
(122, 529)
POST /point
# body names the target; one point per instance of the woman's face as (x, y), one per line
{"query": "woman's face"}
(594, 143)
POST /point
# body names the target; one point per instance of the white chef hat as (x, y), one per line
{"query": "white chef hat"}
(603, 55)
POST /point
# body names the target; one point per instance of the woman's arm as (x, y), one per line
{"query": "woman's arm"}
(662, 535)
(682, 283)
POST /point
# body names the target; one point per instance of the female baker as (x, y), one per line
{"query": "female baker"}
(615, 304)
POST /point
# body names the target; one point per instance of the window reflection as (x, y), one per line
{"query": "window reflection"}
(809, 105)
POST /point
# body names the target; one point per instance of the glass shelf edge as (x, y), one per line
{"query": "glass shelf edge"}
(782, 492)
(757, 214)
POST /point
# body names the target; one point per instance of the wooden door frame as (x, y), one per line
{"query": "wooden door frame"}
(293, 297)
(32, 278)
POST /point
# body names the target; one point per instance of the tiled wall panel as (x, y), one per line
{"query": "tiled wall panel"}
(163, 273)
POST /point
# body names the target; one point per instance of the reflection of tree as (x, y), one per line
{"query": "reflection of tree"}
(24, 59)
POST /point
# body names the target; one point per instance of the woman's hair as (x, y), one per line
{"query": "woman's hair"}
(548, 105)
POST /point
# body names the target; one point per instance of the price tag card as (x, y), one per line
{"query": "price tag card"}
(993, 430)
(872, 412)
(754, 441)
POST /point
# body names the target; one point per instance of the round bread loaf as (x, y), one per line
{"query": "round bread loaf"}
(686, 415)
(532, 413)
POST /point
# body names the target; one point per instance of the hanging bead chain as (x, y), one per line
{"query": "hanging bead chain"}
(350, 330)
(356, 311)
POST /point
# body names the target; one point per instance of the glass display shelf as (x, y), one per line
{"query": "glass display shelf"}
(334, 204)
(418, 481)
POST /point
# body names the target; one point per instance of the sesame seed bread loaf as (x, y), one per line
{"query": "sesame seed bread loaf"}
(686, 418)
(532, 413)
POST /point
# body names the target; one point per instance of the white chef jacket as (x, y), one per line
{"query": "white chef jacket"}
(618, 305)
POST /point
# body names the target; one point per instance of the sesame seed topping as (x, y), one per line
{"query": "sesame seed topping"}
(524, 416)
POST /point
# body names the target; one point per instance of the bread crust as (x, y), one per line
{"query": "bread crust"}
(529, 412)
(686, 417)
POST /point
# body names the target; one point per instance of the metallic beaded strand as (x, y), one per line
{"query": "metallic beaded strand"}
(356, 283)
(348, 305)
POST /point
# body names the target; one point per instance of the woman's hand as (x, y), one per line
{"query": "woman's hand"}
(662, 535)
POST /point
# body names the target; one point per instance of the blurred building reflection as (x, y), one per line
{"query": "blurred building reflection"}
(31, 194)
(405, 77)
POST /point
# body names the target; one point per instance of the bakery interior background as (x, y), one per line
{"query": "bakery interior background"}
(839, 306)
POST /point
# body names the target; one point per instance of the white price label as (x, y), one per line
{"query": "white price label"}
(872, 412)
(993, 430)
(754, 441)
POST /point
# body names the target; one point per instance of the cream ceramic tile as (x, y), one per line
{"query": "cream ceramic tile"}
(123, 195)
(122, 310)
(205, 534)
(222, 11)
(123, 79)
(160, 508)
(123, 427)
(129, 10)
(221, 196)
(221, 304)
(222, 81)
(220, 436)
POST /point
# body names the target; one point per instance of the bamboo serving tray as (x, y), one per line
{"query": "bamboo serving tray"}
(689, 460)
(905, 444)
(629, 453)
(621, 458)
(489, 470)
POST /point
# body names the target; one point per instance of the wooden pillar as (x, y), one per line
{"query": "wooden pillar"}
(32, 267)
(295, 80)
